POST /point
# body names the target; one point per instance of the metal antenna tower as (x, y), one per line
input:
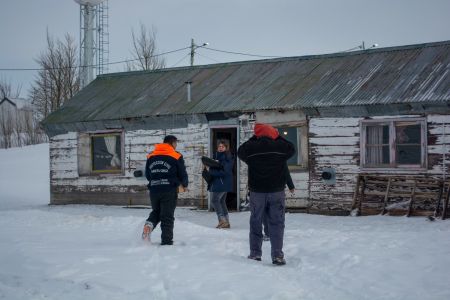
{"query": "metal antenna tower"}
(94, 39)
(103, 37)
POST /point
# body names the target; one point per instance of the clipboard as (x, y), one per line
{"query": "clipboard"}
(212, 163)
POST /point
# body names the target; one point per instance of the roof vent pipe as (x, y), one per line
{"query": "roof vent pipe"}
(188, 87)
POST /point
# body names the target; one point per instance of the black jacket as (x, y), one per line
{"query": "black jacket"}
(266, 159)
(165, 170)
(289, 181)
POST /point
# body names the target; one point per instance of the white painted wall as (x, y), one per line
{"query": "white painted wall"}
(333, 142)
(193, 143)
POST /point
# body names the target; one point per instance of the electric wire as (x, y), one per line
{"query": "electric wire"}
(351, 49)
(241, 53)
(137, 59)
(174, 65)
(84, 66)
(212, 59)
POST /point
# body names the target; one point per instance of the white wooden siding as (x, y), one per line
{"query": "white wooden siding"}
(438, 145)
(334, 143)
(192, 144)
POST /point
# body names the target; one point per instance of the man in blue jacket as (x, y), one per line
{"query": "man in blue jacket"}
(165, 172)
(266, 154)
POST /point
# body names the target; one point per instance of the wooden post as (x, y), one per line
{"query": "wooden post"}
(386, 196)
(355, 195)
(413, 196)
(438, 201)
(447, 195)
(363, 188)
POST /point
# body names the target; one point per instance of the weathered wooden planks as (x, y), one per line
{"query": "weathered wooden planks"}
(333, 142)
(382, 191)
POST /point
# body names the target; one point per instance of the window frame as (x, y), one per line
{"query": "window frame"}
(90, 151)
(302, 145)
(393, 165)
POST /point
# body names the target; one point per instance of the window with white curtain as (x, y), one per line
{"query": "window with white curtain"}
(393, 143)
(106, 153)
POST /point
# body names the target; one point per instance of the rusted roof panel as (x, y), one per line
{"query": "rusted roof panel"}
(396, 75)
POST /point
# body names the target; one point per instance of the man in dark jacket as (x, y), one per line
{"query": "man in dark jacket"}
(266, 154)
(166, 172)
(291, 187)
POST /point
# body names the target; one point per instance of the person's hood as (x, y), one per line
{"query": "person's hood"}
(265, 130)
(164, 149)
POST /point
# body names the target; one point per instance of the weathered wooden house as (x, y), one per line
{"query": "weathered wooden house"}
(381, 111)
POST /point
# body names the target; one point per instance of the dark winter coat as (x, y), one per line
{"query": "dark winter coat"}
(289, 181)
(165, 170)
(266, 158)
(222, 177)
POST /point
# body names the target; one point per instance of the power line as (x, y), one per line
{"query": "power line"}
(240, 53)
(212, 59)
(174, 65)
(351, 49)
(131, 60)
(111, 63)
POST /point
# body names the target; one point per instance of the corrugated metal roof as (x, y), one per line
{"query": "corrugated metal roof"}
(396, 75)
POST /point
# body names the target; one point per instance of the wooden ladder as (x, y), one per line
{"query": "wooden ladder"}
(401, 187)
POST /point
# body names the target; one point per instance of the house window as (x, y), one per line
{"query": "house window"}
(100, 153)
(106, 153)
(393, 144)
(297, 136)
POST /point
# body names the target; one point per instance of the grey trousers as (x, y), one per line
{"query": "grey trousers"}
(218, 201)
(271, 206)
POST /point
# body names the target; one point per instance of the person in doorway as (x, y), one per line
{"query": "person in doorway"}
(222, 182)
(266, 154)
(291, 188)
(166, 172)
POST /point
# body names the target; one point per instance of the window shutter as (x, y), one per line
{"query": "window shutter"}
(84, 154)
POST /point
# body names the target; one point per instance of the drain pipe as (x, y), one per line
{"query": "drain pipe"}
(188, 87)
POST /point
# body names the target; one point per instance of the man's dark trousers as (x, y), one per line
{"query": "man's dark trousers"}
(271, 205)
(163, 209)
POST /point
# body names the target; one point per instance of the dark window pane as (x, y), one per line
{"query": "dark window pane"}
(386, 154)
(408, 143)
(106, 153)
(408, 154)
(409, 134)
(385, 134)
(290, 134)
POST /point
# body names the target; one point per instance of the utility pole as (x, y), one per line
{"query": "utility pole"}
(363, 46)
(192, 52)
(193, 47)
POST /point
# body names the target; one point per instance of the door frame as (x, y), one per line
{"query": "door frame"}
(238, 163)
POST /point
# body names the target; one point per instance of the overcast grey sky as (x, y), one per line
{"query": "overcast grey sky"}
(264, 27)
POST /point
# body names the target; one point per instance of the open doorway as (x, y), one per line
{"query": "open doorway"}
(230, 134)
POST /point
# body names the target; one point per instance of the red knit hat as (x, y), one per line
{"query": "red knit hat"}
(265, 130)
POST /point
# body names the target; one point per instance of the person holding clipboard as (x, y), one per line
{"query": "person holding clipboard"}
(220, 173)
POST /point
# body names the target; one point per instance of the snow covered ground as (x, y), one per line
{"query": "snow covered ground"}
(95, 252)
